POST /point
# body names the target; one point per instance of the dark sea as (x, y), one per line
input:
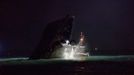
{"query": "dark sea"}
(93, 65)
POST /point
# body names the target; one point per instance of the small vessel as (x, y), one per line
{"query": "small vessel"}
(77, 51)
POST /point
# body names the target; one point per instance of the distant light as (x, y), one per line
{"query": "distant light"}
(96, 49)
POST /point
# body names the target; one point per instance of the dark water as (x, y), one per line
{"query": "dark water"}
(92, 66)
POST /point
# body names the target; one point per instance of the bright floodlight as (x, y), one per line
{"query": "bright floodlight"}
(67, 42)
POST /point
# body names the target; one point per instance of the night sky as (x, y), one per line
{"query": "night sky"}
(108, 24)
